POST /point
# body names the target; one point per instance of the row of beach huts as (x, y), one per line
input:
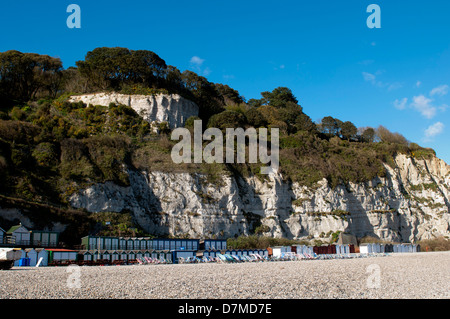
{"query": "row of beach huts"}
(107, 250)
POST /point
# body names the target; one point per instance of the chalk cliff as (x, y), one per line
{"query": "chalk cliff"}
(410, 203)
(173, 108)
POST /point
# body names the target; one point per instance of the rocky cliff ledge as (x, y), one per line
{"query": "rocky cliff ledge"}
(411, 202)
(173, 108)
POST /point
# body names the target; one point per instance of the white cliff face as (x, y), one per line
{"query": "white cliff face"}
(410, 203)
(173, 108)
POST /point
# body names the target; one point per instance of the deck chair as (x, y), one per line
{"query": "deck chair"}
(222, 258)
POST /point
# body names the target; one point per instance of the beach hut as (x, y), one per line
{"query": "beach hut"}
(106, 255)
(44, 238)
(166, 255)
(149, 243)
(122, 255)
(23, 255)
(107, 243)
(167, 244)
(122, 243)
(211, 253)
(184, 245)
(176, 254)
(131, 255)
(32, 255)
(403, 248)
(140, 243)
(55, 254)
(278, 250)
(42, 253)
(347, 239)
(214, 244)
(139, 254)
(388, 248)
(196, 244)
(157, 244)
(87, 255)
(365, 248)
(92, 242)
(177, 244)
(2, 235)
(114, 256)
(130, 243)
(153, 254)
(20, 235)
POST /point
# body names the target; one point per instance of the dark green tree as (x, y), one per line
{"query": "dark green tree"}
(23, 76)
(255, 118)
(205, 94)
(227, 119)
(348, 130)
(279, 97)
(112, 68)
(304, 123)
(368, 135)
(230, 96)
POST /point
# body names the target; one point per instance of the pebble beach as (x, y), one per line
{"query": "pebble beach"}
(398, 276)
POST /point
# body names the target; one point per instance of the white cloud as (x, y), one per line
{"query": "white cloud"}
(423, 104)
(400, 104)
(369, 77)
(443, 107)
(197, 66)
(435, 129)
(394, 86)
(207, 71)
(366, 62)
(440, 90)
(372, 78)
(197, 61)
(418, 84)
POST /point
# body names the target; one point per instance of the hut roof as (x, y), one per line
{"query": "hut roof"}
(347, 239)
(16, 227)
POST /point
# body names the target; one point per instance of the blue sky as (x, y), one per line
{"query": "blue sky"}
(396, 76)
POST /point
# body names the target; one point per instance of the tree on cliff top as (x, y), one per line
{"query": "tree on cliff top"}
(112, 68)
(24, 75)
